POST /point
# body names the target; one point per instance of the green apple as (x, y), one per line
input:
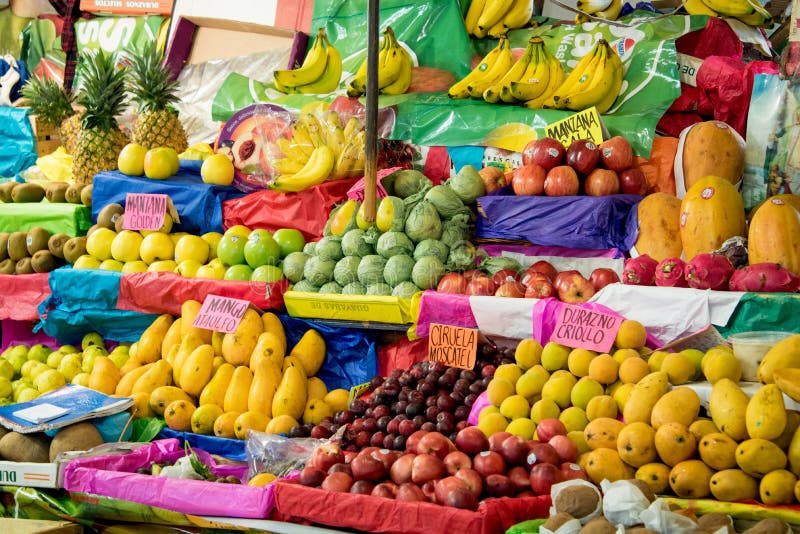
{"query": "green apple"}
(49, 380)
(54, 359)
(162, 266)
(39, 353)
(267, 273)
(27, 394)
(261, 249)
(125, 246)
(86, 262)
(5, 387)
(93, 339)
(290, 240)
(27, 367)
(238, 272)
(70, 366)
(192, 247)
(214, 271)
(111, 265)
(98, 244)
(188, 268)
(156, 246)
(38, 369)
(231, 249)
(212, 238)
(6, 369)
(134, 267)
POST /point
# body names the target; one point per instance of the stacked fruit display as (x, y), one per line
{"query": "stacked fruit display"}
(34, 251)
(157, 163)
(537, 78)
(394, 69)
(457, 473)
(494, 18)
(320, 72)
(54, 192)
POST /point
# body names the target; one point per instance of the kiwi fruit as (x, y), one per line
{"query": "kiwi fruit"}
(91, 229)
(771, 525)
(44, 261)
(17, 245)
(715, 521)
(16, 447)
(73, 194)
(79, 437)
(6, 189)
(27, 192)
(24, 266)
(109, 214)
(8, 266)
(4, 245)
(118, 225)
(577, 501)
(56, 244)
(74, 248)
(86, 196)
(56, 192)
(37, 239)
(646, 490)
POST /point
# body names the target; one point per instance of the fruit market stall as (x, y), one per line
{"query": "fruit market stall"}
(491, 266)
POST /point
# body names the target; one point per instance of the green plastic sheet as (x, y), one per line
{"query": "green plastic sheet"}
(764, 312)
(70, 219)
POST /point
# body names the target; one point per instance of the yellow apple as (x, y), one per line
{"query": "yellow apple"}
(191, 247)
(70, 365)
(131, 159)
(162, 266)
(165, 228)
(159, 163)
(27, 367)
(36, 370)
(27, 394)
(188, 268)
(217, 170)
(156, 246)
(215, 271)
(5, 387)
(137, 266)
(125, 246)
(212, 238)
(86, 262)
(98, 244)
(111, 265)
(49, 380)
(239, 230)
(176, 236)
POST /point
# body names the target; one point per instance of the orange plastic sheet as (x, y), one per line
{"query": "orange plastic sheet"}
(21, 294)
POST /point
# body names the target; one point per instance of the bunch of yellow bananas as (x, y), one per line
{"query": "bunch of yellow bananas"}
(320, 149)
(533, 78)
(595, 81)
(751, 12)
(496, 17)
(601, 9)
(394, 69)
(320, 72)
(489, 72)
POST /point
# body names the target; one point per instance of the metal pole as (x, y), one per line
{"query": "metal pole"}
(371, 126)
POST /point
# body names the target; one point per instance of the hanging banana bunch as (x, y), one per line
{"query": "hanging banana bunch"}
(534, 75)
(394, 69)
(489, 72)
(602, 9)
(751, 12)
(320, 72)
(494, 18)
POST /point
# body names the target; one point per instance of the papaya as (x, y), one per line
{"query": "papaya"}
(774, 235)
(659, 236)
(196, 371)
(214, 391)
(711, 212)
(148, 348)
(712, 147)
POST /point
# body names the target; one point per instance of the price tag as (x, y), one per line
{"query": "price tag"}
(144, 211)
(583, 125)
(356, 391)
(357, 191)
(454, 346)
(221, 314)
(579, 327)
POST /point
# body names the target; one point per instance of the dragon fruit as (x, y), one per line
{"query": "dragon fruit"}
(639, 271)
(669, 273)
(708, 271)
(764, 277)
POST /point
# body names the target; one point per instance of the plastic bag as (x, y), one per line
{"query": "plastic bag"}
(273, 453)
(17, 144)
(57, 166)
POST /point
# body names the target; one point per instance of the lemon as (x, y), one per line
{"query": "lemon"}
(514, 407)
(631, 335)
(498, 390)
(574, 418)
(528, 353)
(508, 371)
(261, 479)
(522, 427)
(492, 424)
(544, 409)
(131, 159)
(217, 170)
(578, 361)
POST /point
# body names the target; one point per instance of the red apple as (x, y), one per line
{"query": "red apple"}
(343, 468)
(528, 179)
(325, 456)
(435, 443)
(472, 273)
(496, 441)
(461, 498)
(499, 486)
(561, 181)
(633, 181)
(386, 490)
(583, 156)
(386, 456)
(472, 440)
(550, 427)
(543, 476)
(510, 289)
(505, 275)
(362, 487)
(400, 472)
(566, 449)
(540, 289)
(572, 471)
(493, 178)
(480, 285)
(425, 467)
(561, 279)
(429, 490)
(601, 182)
(365, 467)
(311, 476)
(616, 153)
(340, 482)
(544, 267)
(456, 460)
(487, 463)
(541, 453)
(514, 450)
(545, 152)
(452, 283)
(472, 479)
(413, 440)
(446, 485)
(528, 277)
(578, 289)
(409, 492)
(519, 478)
(602, 276)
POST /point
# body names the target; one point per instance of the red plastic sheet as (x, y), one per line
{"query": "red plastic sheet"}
(306, 211)
(164, 292)
(302, 504)
(21, 294)
(401, 355)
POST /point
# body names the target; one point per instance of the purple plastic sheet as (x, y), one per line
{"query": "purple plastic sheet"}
(561, 252)
(576, 222)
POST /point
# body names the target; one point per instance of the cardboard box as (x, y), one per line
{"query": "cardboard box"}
(292, 15)
(28, 474)
(39, 526)
(47, 137)
(128, 7)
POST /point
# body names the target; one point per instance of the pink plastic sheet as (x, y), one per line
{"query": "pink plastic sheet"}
(21, 295)
(480, 403)
(562, 252)
(444, 308)
(115, 476)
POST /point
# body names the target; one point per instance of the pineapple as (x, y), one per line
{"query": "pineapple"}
(154, 90)
(103, 97)
(52, 106)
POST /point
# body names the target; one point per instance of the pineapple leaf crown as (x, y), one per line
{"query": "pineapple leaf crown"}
(48, 100)
(102, 90)
(150, 82)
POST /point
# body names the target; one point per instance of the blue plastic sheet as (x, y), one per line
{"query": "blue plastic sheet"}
(351, 358)
(232, 449)
(20, 67)
(17, 144)
(577, 221)
(199, 205)
(85, 300)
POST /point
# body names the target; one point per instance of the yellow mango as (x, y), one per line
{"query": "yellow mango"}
(204, 417)
(680, 405)
(702, 426)
(643, 397)
(338, 399)
(172, 337)
(224, 425)
(602, 433)
(281, 424)
(130, 365)
(718, 451)
(316, 388)
(218, 361)
(158, 375)
(777, 487)
(238, 390)
(316, 410)
(238, 346)
(141, 406)
(290, 397)
(178, 415)
(125, 384)
(270, 347)
(293, 361)
(214, 391)
(792, 423)
(788, 380)
(655, 475)
(691, 479)
(757, 457)
(636, 445)
(171, 353)
(196, 371)
(605, 463)
(148, 348)
(188, 344)
(784, 354)
(216, 342)
(310, 350)
(161, 397)
(794, 453)
(104, 376)
(727, 406)
(189, 310)
(265, 382)
(273, 325)
(733, 485)
(674, 443)
(250, 421)
(765, 416)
